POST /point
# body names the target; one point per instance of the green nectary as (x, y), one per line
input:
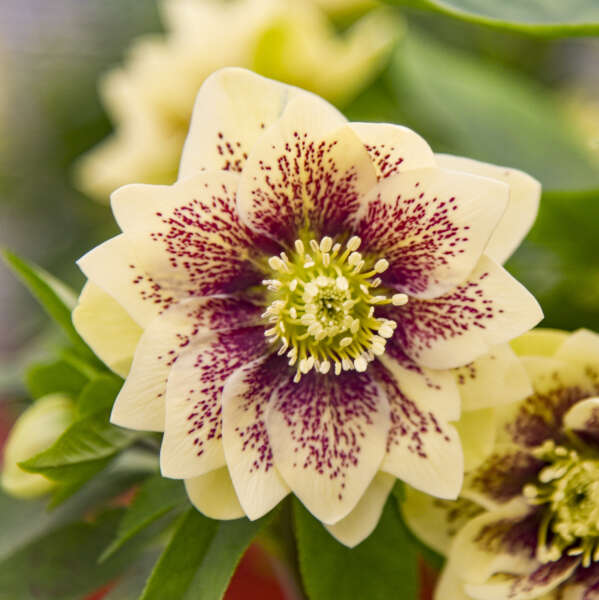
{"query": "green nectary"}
(569, 488)
(322, 301)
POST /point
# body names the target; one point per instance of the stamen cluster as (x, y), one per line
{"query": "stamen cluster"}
(569, 487)
(323, 298)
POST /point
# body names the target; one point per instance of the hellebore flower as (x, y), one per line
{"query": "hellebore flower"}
(301, 290)
(527, 523)
(34, 431)
(150, 97)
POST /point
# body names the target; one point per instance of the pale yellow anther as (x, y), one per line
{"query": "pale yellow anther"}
(322, 281)
(353, 243)
(342, 283)
(299, 247)
(293, 285)
(346, 341)
(326, 243)
(381, 265)
(399, 299)
(324, 367)
(314, 246)
(360, 364)
(354, 258)
(276, 263)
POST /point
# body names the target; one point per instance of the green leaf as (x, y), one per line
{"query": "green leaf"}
(383, 566)
(99, 395)
(82, 450)
(535, 17)
(177, 566)
(56, 376)
(471, 107)
(154, 499)
(56, 299)
(63, 563)
(231, 540)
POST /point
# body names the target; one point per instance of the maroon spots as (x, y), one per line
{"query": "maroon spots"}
(517, 535)
(209, 251)
(590, 431)
(406, 362)
(457, 513)
(232, 153)
(541, 415)
(417, 234)
(422, 323)
(410, 426)
(151, 291)
(259, 382)
(215, 362)
(588, 578)
(329, 419)
(503, 476)
(303, 185)
(385, 159)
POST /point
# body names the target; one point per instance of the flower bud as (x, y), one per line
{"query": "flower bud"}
(34, 431)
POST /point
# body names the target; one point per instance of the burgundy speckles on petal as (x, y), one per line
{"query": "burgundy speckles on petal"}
(192, 441)
(432, 226)
(232, 152)
(297, 182)
(328, 437)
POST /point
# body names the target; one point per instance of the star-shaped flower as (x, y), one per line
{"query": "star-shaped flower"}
(301, 290)
(527, 523)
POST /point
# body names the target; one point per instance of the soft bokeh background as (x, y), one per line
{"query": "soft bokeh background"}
(524, 102)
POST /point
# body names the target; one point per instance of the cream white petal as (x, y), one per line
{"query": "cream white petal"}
(363, 519)
(488, 309)
(141, 401)
(436, 521)
(232, 110)
(432, 225)
(113, 267)
(107, 328)
(450, 587)
(328, 438)
(476, 429)
(583, 418)
(214, 496)
(581, 347)
(393, 148)
(192, 443)
(540, 342)
(246, 442)
(498, 377)
(523, 205)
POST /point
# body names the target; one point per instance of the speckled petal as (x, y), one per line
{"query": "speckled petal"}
(304, 174)
(100, 320)
(501, 541)
(422, 448)
(214, 496)
(248, 451)
(432, 225)
(521, 212)
(233, 109)
(328, 438)
(141, 401)
(532, 586)
(188, 236)
(498, 377)
(114, 268)
(436, 521)
(363, 519)
(488, 309)
(192, 442)
(583, 419)
(394, 149)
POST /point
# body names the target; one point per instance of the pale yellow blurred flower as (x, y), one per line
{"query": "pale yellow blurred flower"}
(151, 96)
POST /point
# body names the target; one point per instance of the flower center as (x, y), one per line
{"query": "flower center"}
(569, 487)
(322, 304)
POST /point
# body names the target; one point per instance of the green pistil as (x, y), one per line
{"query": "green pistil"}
(322, 307)
(569, 488)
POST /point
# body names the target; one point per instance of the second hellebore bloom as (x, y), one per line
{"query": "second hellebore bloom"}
(301, 289)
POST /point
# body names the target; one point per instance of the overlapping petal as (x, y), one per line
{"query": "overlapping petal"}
(192, 443)
(213, 495)
(307, 173)
(522, 208)
(489, 308)
(328, 439)
(233, 109)
(189, 236)
(432, 225)
(141, 402)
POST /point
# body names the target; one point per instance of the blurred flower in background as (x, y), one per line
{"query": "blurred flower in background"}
(150, 98)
